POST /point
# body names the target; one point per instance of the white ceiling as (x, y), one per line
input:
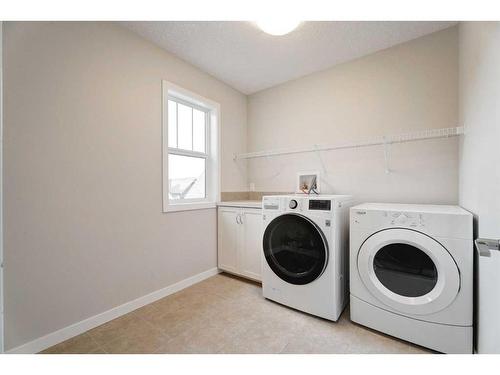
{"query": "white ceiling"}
(244, 57)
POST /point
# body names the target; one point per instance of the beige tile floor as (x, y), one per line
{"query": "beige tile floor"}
(225, 314)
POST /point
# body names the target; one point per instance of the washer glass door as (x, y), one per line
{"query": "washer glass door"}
(295, 249)
(408, 271)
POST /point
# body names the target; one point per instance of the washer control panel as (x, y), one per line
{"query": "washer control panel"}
(316, 205)
(320, 204)
(271, 203)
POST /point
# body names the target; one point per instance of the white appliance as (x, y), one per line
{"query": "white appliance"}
(305, 246)
(488, 296)
(411, 273)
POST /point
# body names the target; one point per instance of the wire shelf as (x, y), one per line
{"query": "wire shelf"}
(380, 140)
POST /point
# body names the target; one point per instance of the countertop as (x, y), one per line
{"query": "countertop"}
(244, 204)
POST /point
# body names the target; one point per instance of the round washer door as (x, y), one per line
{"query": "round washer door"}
(408, 271)
(295, 249)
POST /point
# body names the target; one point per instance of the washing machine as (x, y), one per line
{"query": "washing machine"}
(411, 273)
(305, 244)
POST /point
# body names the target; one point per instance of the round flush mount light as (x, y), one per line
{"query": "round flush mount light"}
(277, 26)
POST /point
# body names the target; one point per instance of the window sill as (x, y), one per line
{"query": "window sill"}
(189, 206)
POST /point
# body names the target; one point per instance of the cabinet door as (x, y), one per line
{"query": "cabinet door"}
(251, 244)
(227, 236)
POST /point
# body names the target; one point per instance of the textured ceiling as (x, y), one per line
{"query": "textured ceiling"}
(244, 57)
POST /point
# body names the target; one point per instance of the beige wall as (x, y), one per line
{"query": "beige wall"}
(84, 231)
(407, 87)
(480, 112)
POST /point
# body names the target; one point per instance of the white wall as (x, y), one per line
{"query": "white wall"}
(480, 112)
(411, 86)
(1, 191)
(84, 228)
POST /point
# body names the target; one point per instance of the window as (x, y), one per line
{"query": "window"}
(190, 150)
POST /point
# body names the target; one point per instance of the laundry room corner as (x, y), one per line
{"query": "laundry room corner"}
(234, 186)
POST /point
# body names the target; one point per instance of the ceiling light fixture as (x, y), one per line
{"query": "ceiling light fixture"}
(277, 27)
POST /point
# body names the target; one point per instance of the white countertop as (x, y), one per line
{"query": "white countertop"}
(244, 204)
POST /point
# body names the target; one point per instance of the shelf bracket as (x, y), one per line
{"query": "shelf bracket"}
(318, 154)
(386, 155)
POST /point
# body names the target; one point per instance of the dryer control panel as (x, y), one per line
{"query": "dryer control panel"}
(438, 224)
(390, 218)
(410, 219)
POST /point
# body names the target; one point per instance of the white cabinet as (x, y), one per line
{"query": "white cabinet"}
(251, 243)
(228, 226)
(240, 241)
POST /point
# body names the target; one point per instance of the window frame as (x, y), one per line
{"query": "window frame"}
(211, 154)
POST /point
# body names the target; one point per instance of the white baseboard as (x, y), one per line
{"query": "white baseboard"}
(76, 329)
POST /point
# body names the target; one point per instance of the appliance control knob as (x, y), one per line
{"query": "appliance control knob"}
(293, 204)
(401, 220)
(421, 220)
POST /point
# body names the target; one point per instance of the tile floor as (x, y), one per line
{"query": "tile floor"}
(225, 314)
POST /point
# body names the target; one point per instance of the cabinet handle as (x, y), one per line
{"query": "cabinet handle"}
(238, 219)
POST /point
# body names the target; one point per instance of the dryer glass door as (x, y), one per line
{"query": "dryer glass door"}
(405, 269)
(408, 271)
(295, 249)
